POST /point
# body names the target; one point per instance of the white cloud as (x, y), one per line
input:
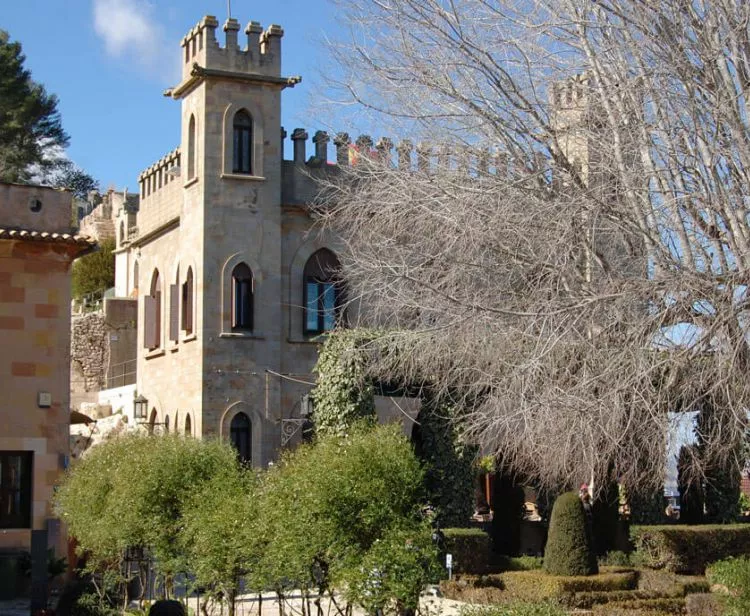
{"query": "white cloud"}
(129, 30)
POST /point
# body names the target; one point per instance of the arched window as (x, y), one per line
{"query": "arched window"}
(152, 314)
(166, 423)
(191, 149)
(174, 308)
(323, 294)
(240, 436)
(242, 297)
(242, 142)
(135, 276)
(152, 421)
(187, 303)
(188, 426)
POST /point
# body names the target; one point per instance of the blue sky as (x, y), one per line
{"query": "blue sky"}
(109, 61)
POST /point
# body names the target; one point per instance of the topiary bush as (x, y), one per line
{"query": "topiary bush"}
(470, 548)
(569, 549)
(167, 607)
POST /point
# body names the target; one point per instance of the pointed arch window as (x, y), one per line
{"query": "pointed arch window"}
(187, 303)
(323, 293)
(240, 433)
(242, 297)
(188, 426)
(242, 132)
(152, 314)
(191, 149)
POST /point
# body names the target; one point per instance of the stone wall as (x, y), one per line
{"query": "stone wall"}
(89, 353)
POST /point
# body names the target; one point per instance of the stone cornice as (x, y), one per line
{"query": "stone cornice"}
(199, 73)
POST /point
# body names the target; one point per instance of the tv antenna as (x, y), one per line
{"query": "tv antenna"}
(229, 9)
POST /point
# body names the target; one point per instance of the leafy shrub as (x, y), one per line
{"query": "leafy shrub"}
(507, 506)
(393, 571)
(542, 608)
(167, 608)
(470, 548)
(646, 506)
(569, 549)
(688, 549)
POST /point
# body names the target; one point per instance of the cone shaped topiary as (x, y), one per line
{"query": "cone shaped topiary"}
(569, 549)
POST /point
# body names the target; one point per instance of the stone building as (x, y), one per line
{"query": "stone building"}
(37, 247)
(233, 287)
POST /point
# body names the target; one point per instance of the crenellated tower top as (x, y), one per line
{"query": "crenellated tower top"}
(203, 55)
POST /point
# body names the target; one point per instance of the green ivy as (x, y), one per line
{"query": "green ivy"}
(344, 394)
(449, 463)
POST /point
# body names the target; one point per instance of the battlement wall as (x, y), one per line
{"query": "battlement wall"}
(160, 192)
(260, 55)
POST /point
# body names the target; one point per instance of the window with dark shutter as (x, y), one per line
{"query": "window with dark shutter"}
(240, 435)
(152, 314)
(187, 303)
(174, 312)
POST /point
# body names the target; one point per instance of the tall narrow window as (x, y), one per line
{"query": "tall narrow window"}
(152, 320)
(191, 149)
(242, 297)
(187, 303)
(188, 426)
(174, 309)
(323, 293)
(135, 277)
(242, 143)
(15, 489)
(240, 436)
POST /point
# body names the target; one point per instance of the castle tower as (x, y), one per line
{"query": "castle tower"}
(208, 247)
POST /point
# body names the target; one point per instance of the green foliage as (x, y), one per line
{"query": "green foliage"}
(688, 549)
(449, 463)
(95, 272)
(394, 570)
(542, 608)
(615, 558)
(470, 548)
(744, 502)
(325, 506)
(220, 531)
(646, 505)
(344, 395)
(132, 491)
(691, 491)
(734, 574)
(29, 119)
(76, 180)
(569, 550)
(507, 506)
(518, 563)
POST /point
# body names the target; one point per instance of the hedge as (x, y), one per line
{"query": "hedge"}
(570, 544)
(688, 549)
(470, 548)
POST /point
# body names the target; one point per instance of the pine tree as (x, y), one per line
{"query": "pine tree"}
(29, 120)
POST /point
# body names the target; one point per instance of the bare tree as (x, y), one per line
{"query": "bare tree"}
(568, 245)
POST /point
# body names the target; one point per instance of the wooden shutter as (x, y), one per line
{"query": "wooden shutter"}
(174, 312)
(150, 334)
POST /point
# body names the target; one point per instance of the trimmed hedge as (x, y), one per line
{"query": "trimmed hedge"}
(688, 549)
(640, 607)
(569, 549)
(705, 604)
(471, 550)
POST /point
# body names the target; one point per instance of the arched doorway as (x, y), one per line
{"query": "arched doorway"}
(240, 436)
